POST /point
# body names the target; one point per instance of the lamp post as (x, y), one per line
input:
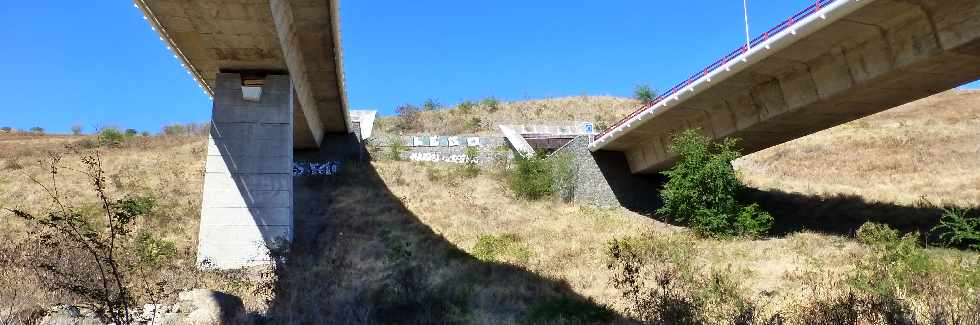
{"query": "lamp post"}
(748, 39)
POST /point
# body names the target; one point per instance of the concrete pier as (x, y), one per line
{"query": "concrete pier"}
(248, 188)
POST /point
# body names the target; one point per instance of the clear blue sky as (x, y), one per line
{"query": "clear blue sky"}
(97, 63)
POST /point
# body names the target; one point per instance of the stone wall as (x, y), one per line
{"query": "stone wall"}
(603, 179)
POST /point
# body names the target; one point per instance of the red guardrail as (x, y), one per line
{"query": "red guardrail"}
(808, 11)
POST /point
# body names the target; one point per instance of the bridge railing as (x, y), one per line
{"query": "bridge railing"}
(793, 20)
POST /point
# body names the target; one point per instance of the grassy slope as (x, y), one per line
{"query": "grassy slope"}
(603, 110)
(929, 148)
(557, 244)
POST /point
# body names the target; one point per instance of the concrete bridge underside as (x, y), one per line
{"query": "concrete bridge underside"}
(299, 38)
(880, 56)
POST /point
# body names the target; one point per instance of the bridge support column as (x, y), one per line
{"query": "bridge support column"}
(248, 190)
(603, 178)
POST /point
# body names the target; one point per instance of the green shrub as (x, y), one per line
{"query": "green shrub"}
(644, 93)
(395, 150)
(466, 107)
(491, 103)
(532, 178)
(471, 167)
(431, 105)
(111, 137)
(131, 133)
(473, 124)
(37, 130)
(753, 220)
(958, 229)
(897, 261)
(702, 189)
(153, 251)
(501, 248)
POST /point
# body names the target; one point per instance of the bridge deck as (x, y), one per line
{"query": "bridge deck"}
(836, 62)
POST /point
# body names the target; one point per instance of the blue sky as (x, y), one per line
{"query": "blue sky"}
(97, 63)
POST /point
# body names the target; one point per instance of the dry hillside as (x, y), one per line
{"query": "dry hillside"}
(926, 149)
(403, 242)
(484, 116)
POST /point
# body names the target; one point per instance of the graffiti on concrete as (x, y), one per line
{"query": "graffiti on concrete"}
(436, 157)
(443, 141)
(315, 168)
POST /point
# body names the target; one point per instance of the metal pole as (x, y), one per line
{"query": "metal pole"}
(748, 39)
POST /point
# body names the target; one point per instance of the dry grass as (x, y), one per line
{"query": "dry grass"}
(929, 148)
(411, 239)
(602, 110)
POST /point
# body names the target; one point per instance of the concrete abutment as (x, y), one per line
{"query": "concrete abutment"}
(248, 186)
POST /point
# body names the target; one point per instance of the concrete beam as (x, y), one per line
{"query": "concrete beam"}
(882, 55)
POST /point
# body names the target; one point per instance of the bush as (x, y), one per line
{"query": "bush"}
(466, 107)
(473, 124)
(111, 137)
(395, 150)
(37, 130)
(532, 178)
(431, 105)
(471, 167)
(957, 228)
(76, 129)
(408, 118)
(702, 188)
(131, 133)
(644, 94)
(491, 103)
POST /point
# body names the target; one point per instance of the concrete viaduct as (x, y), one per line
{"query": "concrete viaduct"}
(836, 61)
(274, 70)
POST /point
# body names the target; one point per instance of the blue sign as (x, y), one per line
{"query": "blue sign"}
(588, 128)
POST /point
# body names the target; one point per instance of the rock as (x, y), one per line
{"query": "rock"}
(203, 306)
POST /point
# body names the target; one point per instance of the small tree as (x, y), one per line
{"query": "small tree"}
(37, 130)
(408, 118)
(471, 166)
(88, 257)
(131, 133)
(466, 107)
(644, 94)
(76, 129)
(431, 105)
(702, 188)
(491, 103)
(111, 137)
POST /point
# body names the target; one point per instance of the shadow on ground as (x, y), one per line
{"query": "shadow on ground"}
(360, 256)
(793, 212)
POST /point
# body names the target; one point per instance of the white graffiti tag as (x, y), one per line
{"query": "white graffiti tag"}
(316, 168)
(435, 157)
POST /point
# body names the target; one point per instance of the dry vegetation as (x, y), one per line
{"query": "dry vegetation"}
(926, 149)
(483, 117)
(404, 242)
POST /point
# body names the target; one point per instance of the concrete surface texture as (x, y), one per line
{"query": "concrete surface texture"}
(248, 187)
(300, 38)
(881, 55)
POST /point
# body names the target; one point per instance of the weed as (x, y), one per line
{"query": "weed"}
(506, 247)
